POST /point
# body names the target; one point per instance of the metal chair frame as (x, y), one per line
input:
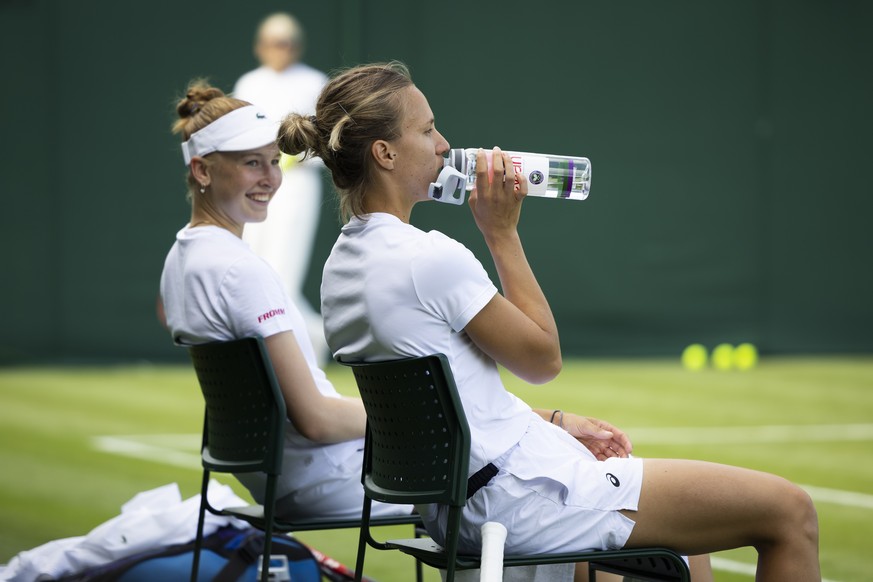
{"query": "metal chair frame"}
(417, 451)
(244, 431)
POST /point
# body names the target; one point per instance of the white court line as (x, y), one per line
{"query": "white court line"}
(733, 435)
(839, 497)
(735, 567)
(169, 449)
(179, 450)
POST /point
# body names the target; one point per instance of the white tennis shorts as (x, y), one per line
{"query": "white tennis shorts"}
(339, 494)
(552, 495)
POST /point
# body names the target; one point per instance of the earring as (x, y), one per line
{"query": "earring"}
(202, 189)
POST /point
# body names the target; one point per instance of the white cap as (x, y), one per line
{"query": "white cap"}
(246, 128)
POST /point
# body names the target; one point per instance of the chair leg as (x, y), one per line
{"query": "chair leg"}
(419, 571)
(453, 528)
(362, 539)
(269, 515)
(268, 544)
(198, 540)
(268, 547)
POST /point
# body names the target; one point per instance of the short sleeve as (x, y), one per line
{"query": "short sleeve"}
(254, 300)
(450, 282)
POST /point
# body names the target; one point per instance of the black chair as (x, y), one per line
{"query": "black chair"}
(417, 451)
(244, 431)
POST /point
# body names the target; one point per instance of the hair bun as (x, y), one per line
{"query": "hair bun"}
(298, 134)
(199, 93)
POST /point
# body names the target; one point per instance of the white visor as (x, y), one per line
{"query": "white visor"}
(242, 129)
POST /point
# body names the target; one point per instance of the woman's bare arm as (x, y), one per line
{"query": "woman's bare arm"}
(319, 418)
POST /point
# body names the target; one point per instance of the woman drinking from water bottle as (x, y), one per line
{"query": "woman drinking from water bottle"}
(559, 482)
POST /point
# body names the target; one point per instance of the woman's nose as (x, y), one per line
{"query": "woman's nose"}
(443, 145)
(273, 176)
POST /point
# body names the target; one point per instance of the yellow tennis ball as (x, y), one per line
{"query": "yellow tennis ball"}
(694, 357)
(286, 162)
(745, 356)
(723, 357)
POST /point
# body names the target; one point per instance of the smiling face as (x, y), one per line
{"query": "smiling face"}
(241, 185)
(420, 148)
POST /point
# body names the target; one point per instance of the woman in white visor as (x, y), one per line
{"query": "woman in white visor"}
(215, 288)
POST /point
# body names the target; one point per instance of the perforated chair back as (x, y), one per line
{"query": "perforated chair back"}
(418, 441)
(417, 450)
(244, 431)
(245, 421)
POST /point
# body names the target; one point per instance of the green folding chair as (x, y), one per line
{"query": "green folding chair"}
(418, 450)
(244, 431)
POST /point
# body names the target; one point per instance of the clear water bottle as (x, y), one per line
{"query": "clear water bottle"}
(548, 176)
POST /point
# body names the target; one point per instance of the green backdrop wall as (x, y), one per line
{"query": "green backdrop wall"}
(730, 142)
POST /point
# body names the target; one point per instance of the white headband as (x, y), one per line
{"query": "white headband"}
(246, 128)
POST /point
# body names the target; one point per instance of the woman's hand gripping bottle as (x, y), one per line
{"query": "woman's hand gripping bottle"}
(548, 176)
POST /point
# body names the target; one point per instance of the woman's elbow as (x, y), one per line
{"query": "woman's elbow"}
(313, 429)
(557, 365)
(543, 369)
(331, 420)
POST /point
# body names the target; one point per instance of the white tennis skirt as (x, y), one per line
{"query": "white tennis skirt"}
(552, 495)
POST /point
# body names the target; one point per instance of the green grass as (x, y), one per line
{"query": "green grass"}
(55, 484)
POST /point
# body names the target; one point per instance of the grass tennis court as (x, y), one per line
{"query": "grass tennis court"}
(77, 442)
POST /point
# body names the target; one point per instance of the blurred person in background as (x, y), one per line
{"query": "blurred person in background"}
(283, 84)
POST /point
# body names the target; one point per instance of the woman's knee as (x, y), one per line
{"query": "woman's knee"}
(807, 514)
(798, 516)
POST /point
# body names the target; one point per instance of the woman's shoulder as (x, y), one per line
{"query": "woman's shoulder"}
(437, 237)
(217, 250)
(440, 253)
(440, 240)
(401, 239)
(212, 241)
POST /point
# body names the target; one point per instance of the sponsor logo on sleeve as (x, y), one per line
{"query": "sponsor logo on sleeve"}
(270, 314)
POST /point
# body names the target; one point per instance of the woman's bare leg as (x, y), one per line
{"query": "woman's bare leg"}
(696, 507)
(701, 568)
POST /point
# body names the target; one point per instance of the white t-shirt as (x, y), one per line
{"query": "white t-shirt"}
(391, 290)
(295, 89)
(214, 288)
